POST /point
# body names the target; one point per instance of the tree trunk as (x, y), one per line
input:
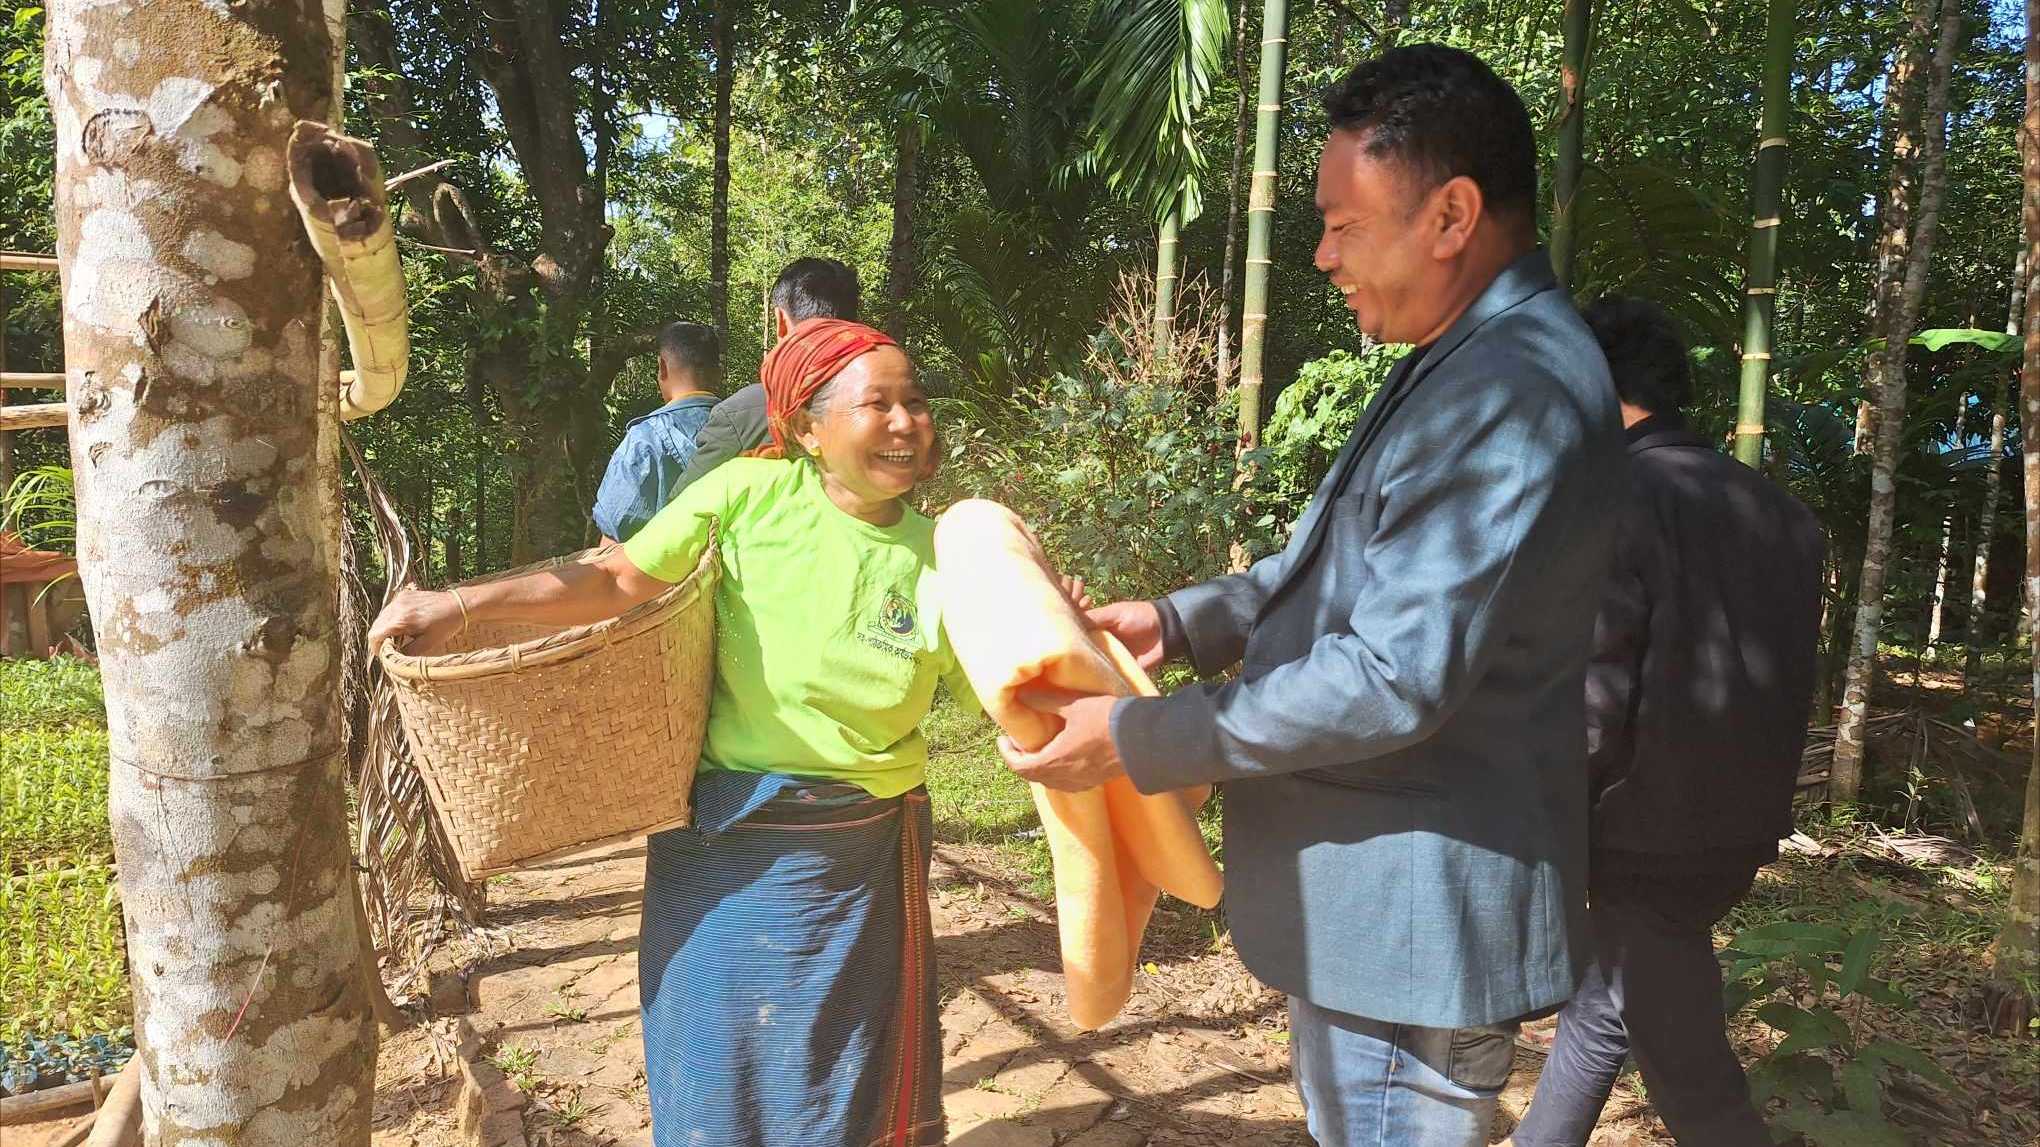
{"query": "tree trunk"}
(1232, 206)
(1899, 144)
(1572, 129)
(899, 261)
(1939, 609)
(1261, 219)
(206, 554)
(719, 209)
(552, 442)
(1760, 294)
(1979, 578)
(2015, 958)
(1165, 278)
(1900, 303)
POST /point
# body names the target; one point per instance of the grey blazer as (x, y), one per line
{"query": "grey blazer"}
(1404, 748)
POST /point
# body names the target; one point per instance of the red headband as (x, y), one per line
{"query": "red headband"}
(804, 361)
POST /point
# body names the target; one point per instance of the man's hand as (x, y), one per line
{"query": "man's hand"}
(420, 621)
(1073, 589)
(1081, 756)
(1137, 625)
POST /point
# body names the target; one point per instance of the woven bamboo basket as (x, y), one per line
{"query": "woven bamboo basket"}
(535, 741)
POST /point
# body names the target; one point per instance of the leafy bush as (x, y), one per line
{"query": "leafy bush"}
(1311, 420)
(1796, 976)
(1126, 468)
(41, 506)
(59, 691)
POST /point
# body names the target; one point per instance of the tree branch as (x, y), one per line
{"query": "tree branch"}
(1342, 9)
(388, 95)
(608, 359)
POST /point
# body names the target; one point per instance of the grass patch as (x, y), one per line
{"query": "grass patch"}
(62, 965)
(59, 691)
(976, 798)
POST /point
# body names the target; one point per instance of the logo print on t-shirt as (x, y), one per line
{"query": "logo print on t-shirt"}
(897, 615)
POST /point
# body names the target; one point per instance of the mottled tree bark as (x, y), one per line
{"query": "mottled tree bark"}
(1909, 241)
(191, 339)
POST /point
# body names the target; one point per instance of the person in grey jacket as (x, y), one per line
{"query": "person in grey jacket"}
(1404, 746)
(808, 288)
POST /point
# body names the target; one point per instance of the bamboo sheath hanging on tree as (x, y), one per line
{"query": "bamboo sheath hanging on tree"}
(337, 185)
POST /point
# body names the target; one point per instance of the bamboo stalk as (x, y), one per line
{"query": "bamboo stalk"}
(1760, 293)
(1165, 279)
(1261, 219)
(22, 261)
(1572, 128)
(118, 1122)
(31, 380)
(37, 1106)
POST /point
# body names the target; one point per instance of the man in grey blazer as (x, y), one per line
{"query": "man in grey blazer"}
(1404, 746)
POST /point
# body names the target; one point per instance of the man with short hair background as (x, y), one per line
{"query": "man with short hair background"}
(808, 288)
(1404, 747)
(1697, 698)
(644, 472)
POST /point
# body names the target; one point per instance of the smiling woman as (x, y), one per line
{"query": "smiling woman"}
(786, 959)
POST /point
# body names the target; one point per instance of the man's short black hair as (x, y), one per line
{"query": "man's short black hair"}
(692, 347)
(1646, 354)
(1443, 113)
(815, 288)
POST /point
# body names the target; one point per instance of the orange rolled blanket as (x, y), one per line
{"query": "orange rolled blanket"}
(1113, 847)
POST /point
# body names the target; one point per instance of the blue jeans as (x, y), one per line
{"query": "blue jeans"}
(1371, 1084)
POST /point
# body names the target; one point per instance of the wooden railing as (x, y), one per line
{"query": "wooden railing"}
(15, 602)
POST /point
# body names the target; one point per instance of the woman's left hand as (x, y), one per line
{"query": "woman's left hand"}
(1073, 589)
(419, 621)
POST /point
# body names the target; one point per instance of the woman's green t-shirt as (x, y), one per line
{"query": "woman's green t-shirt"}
(829, 640)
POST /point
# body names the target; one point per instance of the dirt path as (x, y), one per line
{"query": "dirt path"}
(1199, 1056)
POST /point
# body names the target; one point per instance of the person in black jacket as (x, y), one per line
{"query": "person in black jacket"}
(1697, 706)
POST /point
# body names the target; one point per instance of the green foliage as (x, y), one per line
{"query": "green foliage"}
(27, 136)
(41, 508)
(1312, 418)
(1800, 977)
(58, 692)
(1151, 69)
(1124, 467)
(62, 967)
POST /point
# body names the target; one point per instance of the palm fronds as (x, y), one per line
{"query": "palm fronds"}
(1151, 67)
(410, 886)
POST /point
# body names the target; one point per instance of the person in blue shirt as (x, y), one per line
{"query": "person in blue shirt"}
(644, 472)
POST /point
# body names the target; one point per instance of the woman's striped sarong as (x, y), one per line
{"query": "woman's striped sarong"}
(787, 970)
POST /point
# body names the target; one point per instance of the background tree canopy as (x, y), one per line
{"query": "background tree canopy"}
(995, 168)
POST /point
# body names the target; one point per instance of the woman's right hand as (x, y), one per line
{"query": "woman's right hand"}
(1137, 625)
(419, 621)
